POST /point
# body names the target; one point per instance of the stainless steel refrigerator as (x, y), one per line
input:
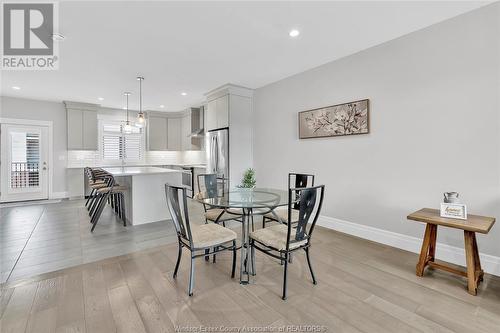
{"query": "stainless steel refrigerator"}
(217, 148)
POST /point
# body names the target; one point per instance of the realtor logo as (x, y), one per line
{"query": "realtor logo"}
(27, 36)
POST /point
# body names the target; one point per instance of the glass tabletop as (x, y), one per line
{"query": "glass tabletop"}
(248, 198)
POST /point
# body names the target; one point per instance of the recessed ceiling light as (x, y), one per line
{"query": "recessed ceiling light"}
(16, 88)
(183, 93)
(100, 98)
(58, 37)
(162, 106)
(294, 33)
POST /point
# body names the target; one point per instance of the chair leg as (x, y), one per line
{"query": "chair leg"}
(94, 204)
(309, 264)
(207, 258)
(284, 277)
(179, 254)
(191, 277)
(117, 205)
(263, 222)
(252, 257)
(253, 227)
(233, 270)
(97, 214)
(122, 205)
(91, 195)
(215, 249)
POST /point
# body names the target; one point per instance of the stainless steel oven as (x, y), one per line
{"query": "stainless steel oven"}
(187, 180)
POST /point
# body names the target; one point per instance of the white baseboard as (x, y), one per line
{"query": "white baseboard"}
(448, 253)
(58, 195)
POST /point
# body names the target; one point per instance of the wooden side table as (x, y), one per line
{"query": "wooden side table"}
(473, 224)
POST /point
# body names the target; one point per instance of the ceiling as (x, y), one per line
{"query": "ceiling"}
(194, 47)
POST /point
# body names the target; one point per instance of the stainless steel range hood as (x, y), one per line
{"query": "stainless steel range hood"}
(197, 129)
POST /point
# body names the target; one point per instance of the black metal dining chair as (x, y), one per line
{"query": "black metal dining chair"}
(210, 185)
(196, 238)
(296, 180)
(281, 240)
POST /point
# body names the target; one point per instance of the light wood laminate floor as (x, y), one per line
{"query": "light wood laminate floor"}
(362, 287)
(40, 238)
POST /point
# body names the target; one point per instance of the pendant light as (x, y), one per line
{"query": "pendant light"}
(140, 117)
(127, 128)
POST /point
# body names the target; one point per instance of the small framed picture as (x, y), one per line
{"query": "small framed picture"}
(454, 211)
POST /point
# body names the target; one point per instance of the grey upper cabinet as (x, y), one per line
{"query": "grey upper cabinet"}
(185, 132)
(81, 126)
(157, 130)
(171, 131)
(89, 119)
(174, 134)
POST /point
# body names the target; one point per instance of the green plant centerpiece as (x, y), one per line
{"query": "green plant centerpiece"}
(248, 180)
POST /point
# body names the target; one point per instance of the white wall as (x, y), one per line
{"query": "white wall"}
(434, 117)
(68, 182)
(48, 111)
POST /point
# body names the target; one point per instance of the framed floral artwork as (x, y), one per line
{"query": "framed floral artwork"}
(336, 120)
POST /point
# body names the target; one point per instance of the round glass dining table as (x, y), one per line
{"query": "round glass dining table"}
(251, 201)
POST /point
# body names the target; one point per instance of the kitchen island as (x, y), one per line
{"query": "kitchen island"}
(145, 198)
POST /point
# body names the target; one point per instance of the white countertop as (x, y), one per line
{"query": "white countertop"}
(135, 171)
(78, 166)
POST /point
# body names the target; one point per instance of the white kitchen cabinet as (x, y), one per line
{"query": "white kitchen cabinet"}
(174, 133)
(217, 113)
(81, 126)
(211, 115)
(223, 111)
(157, 133)
(231, 106)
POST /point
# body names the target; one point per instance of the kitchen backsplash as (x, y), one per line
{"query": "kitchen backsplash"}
(83, 158)
(164, 157)
(193, 157)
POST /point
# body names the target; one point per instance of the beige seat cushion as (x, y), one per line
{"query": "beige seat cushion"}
(275, 237)
(211, 234)
(116, 188)
(282, 212)
(236, 211)
(212, 215)
(97, 186)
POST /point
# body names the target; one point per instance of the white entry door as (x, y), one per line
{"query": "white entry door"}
(24, 162)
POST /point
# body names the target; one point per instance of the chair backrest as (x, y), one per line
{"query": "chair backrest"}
(210, 185)
(97, 174)
(177, 206)
(309, 202)
(299, 180)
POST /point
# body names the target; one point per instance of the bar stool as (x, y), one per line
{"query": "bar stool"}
(95, 182)
(113, 193)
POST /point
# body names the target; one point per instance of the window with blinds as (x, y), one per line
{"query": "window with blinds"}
(117, 145)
